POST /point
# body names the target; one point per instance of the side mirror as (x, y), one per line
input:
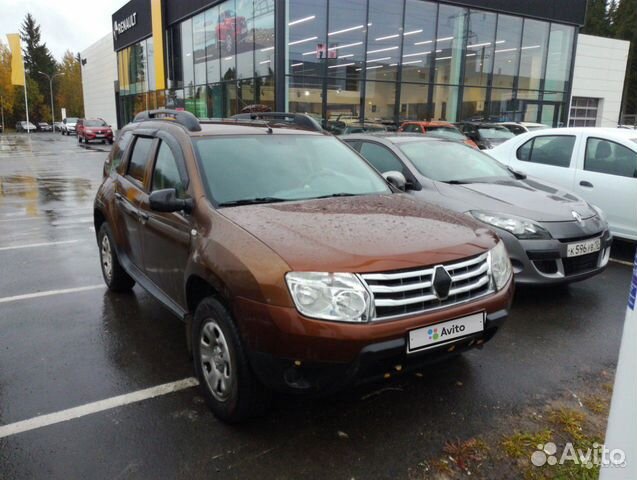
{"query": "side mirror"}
(397, 179)
(166, 201)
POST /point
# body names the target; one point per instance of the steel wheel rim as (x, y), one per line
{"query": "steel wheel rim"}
(107, 258)
(216, 363)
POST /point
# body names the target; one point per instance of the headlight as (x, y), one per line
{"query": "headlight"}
(338, 297)
(522, 228)
(600, 214)
(500, 265)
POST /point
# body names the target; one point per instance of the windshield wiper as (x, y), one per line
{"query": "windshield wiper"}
(253, 201)
(458, 182)
(334, 195)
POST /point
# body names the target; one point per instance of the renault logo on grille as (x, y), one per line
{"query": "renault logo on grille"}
(577, 217)
(441, 282)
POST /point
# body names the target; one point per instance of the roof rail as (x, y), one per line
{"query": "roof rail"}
(299, 120)
(182, 117)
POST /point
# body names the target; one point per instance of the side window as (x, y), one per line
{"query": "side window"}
(118, 150)
(412, 128)
(139, 158)
(381, 158)
(554, 150)
(604, 156)
(166, 174)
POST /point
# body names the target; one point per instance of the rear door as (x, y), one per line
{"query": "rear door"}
(549, 157)
(166, 236)
(606, 176)
(131, 194)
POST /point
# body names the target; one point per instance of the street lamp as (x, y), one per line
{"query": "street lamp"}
(51, 77)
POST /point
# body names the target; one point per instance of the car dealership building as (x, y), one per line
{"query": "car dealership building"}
(373, 60)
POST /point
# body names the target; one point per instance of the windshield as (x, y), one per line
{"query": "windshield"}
(446, 132)
(496, 133)
(95, 123)
(453, 162)
(279, 167)
(71, 120)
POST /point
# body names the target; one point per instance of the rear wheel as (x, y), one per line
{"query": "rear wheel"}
(230, 388)
(115, 276)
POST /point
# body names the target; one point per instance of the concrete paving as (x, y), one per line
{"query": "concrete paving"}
(66, 350)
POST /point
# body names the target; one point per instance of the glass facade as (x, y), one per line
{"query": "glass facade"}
(218, 62)
(361, 60)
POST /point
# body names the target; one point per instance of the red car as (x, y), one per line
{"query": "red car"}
(93, 129)
(230, 27)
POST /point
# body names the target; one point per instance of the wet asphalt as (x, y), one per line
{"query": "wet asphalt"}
(67, 350)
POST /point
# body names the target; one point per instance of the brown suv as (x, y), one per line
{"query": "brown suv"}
(295, 265)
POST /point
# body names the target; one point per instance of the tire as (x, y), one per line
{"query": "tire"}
(115, 276)
(110, 142)
(229, 386)
(79, 139)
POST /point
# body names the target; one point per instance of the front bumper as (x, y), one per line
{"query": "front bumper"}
(545, 262)
(289, 352)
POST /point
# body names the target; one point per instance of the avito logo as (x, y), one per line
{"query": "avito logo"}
(434, 334)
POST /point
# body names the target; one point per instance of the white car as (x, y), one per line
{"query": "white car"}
(518, 128)
(598, 164)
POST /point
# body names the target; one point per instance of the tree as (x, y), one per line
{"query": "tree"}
(37, 58)
(625, 26)
(69, 89)
(6, 88)
(597, 19)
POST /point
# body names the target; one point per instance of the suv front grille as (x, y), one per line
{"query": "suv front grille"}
(411, 291)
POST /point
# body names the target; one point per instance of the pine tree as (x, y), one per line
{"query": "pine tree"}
(625, 27)
(37, 58)
(597, 19)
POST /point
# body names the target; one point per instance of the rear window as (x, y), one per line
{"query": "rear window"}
(495, 133)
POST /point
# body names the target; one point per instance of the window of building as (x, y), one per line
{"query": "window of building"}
(533, 54)
(554, 150)
(244, 38)
(584, 112)
(263, 26)
(414, 103)
(558, 63)
(307, 47)
(380, 101)
(418, 41)
(199, 48)
(480, 48)
(139, 158)
(384, 37)
(187, 60)
(474, 101)
(604, 156)
(450, 43)
(347, 24)
(507, 51)
(213, 60)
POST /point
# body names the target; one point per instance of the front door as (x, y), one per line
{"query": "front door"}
(607, 178)
(167, 236)
(131, 195)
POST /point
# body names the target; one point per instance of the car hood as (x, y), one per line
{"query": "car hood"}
(362, 234)
(529, 198)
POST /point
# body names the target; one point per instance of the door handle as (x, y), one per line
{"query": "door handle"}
(584, 183)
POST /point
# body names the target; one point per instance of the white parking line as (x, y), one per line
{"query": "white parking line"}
(36, 245)
(49, 293)
(621, 262)
(95, 407)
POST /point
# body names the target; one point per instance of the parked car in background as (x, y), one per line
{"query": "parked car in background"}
(57, 126)
(279, 249)
(359, 128)
(25, 127)
(597, 163)
(90, 129)
(437, 129)
(44, 127)
(551, 235)
(518, 128)
(485, 135)
(68, 125)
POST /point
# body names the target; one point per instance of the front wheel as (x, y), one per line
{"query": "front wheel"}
(230, 388)
(115, 276)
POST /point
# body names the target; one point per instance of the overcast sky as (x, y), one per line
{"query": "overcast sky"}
(65, 24)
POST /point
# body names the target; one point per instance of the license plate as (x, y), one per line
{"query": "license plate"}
(445, 332)
(583, 248)
(99, 135)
